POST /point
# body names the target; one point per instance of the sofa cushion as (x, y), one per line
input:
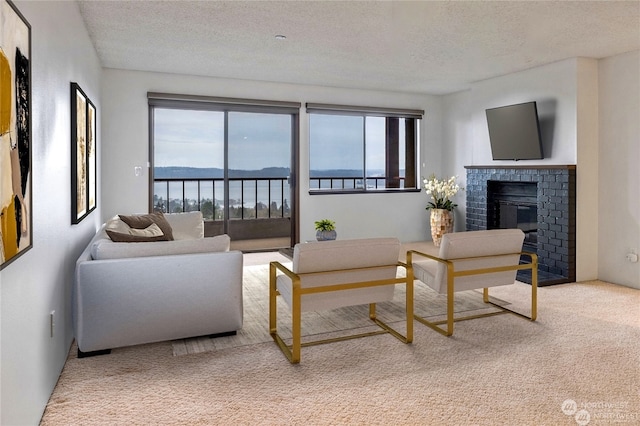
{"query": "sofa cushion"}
(186, 225)
(107, 249)
(142, 221)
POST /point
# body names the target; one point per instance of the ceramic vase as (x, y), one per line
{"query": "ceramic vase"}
(441, 223)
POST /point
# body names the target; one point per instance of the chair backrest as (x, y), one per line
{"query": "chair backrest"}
(461, 245)
(337, 258)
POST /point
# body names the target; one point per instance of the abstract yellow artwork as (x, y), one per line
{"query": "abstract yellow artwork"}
(15, 134)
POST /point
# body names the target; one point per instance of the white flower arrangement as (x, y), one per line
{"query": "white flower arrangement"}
(441, 192)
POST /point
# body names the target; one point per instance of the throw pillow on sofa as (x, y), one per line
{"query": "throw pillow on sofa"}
(118, 231)
(142, 221)
(150, 233)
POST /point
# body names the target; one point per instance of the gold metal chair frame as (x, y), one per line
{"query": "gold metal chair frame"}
(452, 274)
(292, 352)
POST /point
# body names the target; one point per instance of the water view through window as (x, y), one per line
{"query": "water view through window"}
(350, 152)
(195, 168)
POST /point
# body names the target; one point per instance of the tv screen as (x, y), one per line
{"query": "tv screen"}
(514, 132)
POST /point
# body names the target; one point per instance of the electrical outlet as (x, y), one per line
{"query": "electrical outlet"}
(52, 322)
(632, 257)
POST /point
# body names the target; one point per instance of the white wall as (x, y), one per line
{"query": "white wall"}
(465, 126)
(619, 168)
(40, 281)
(126, 145)
(555, 88)
(454, 135)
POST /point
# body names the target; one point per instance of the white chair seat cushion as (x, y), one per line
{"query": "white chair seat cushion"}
(425, 271)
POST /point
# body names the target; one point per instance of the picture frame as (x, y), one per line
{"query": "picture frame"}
(83, 155)
(16, 195)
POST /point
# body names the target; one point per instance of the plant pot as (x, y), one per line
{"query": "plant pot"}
(326, 235)
(441, 223)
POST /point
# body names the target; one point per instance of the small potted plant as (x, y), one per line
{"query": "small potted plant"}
(325, 230)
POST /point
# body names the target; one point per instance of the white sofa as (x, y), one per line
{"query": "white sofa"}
(129, 293)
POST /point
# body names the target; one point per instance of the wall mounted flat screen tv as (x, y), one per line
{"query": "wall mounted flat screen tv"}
(514, 132)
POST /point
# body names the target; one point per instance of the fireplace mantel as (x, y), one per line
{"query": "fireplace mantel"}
(556, 206)
(515, 167)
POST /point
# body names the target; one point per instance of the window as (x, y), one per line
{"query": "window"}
(229, 158)
(188, 161)
(355, 149)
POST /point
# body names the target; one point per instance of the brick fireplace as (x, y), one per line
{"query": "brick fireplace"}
(540, 200)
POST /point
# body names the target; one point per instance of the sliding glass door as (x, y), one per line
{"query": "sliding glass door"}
(258, 176)
(233, 165)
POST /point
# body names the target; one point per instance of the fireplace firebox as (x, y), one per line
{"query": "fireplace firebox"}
(540, 200)
(514, 205)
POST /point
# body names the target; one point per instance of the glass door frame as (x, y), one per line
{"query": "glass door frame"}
(226, 105)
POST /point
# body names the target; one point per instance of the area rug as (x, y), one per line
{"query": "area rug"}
(348, 320)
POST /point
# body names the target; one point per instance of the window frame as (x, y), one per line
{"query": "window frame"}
(364, 112)
(228, 105)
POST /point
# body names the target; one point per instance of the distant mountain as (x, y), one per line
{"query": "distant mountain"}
(174, 172)
(277, 172)
(335, 172)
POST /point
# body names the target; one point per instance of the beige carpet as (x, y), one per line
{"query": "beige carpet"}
(348, 320)
(578, 364)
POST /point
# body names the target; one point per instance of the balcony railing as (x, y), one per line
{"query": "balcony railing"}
(248, 198)
(351, 183)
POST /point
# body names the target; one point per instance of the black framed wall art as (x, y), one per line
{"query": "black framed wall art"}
(83, 155)
(16, 217)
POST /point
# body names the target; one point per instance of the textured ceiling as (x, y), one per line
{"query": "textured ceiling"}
(420, 47)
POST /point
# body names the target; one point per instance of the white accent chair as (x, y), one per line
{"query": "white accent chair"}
(332, 274)
(473, 260)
